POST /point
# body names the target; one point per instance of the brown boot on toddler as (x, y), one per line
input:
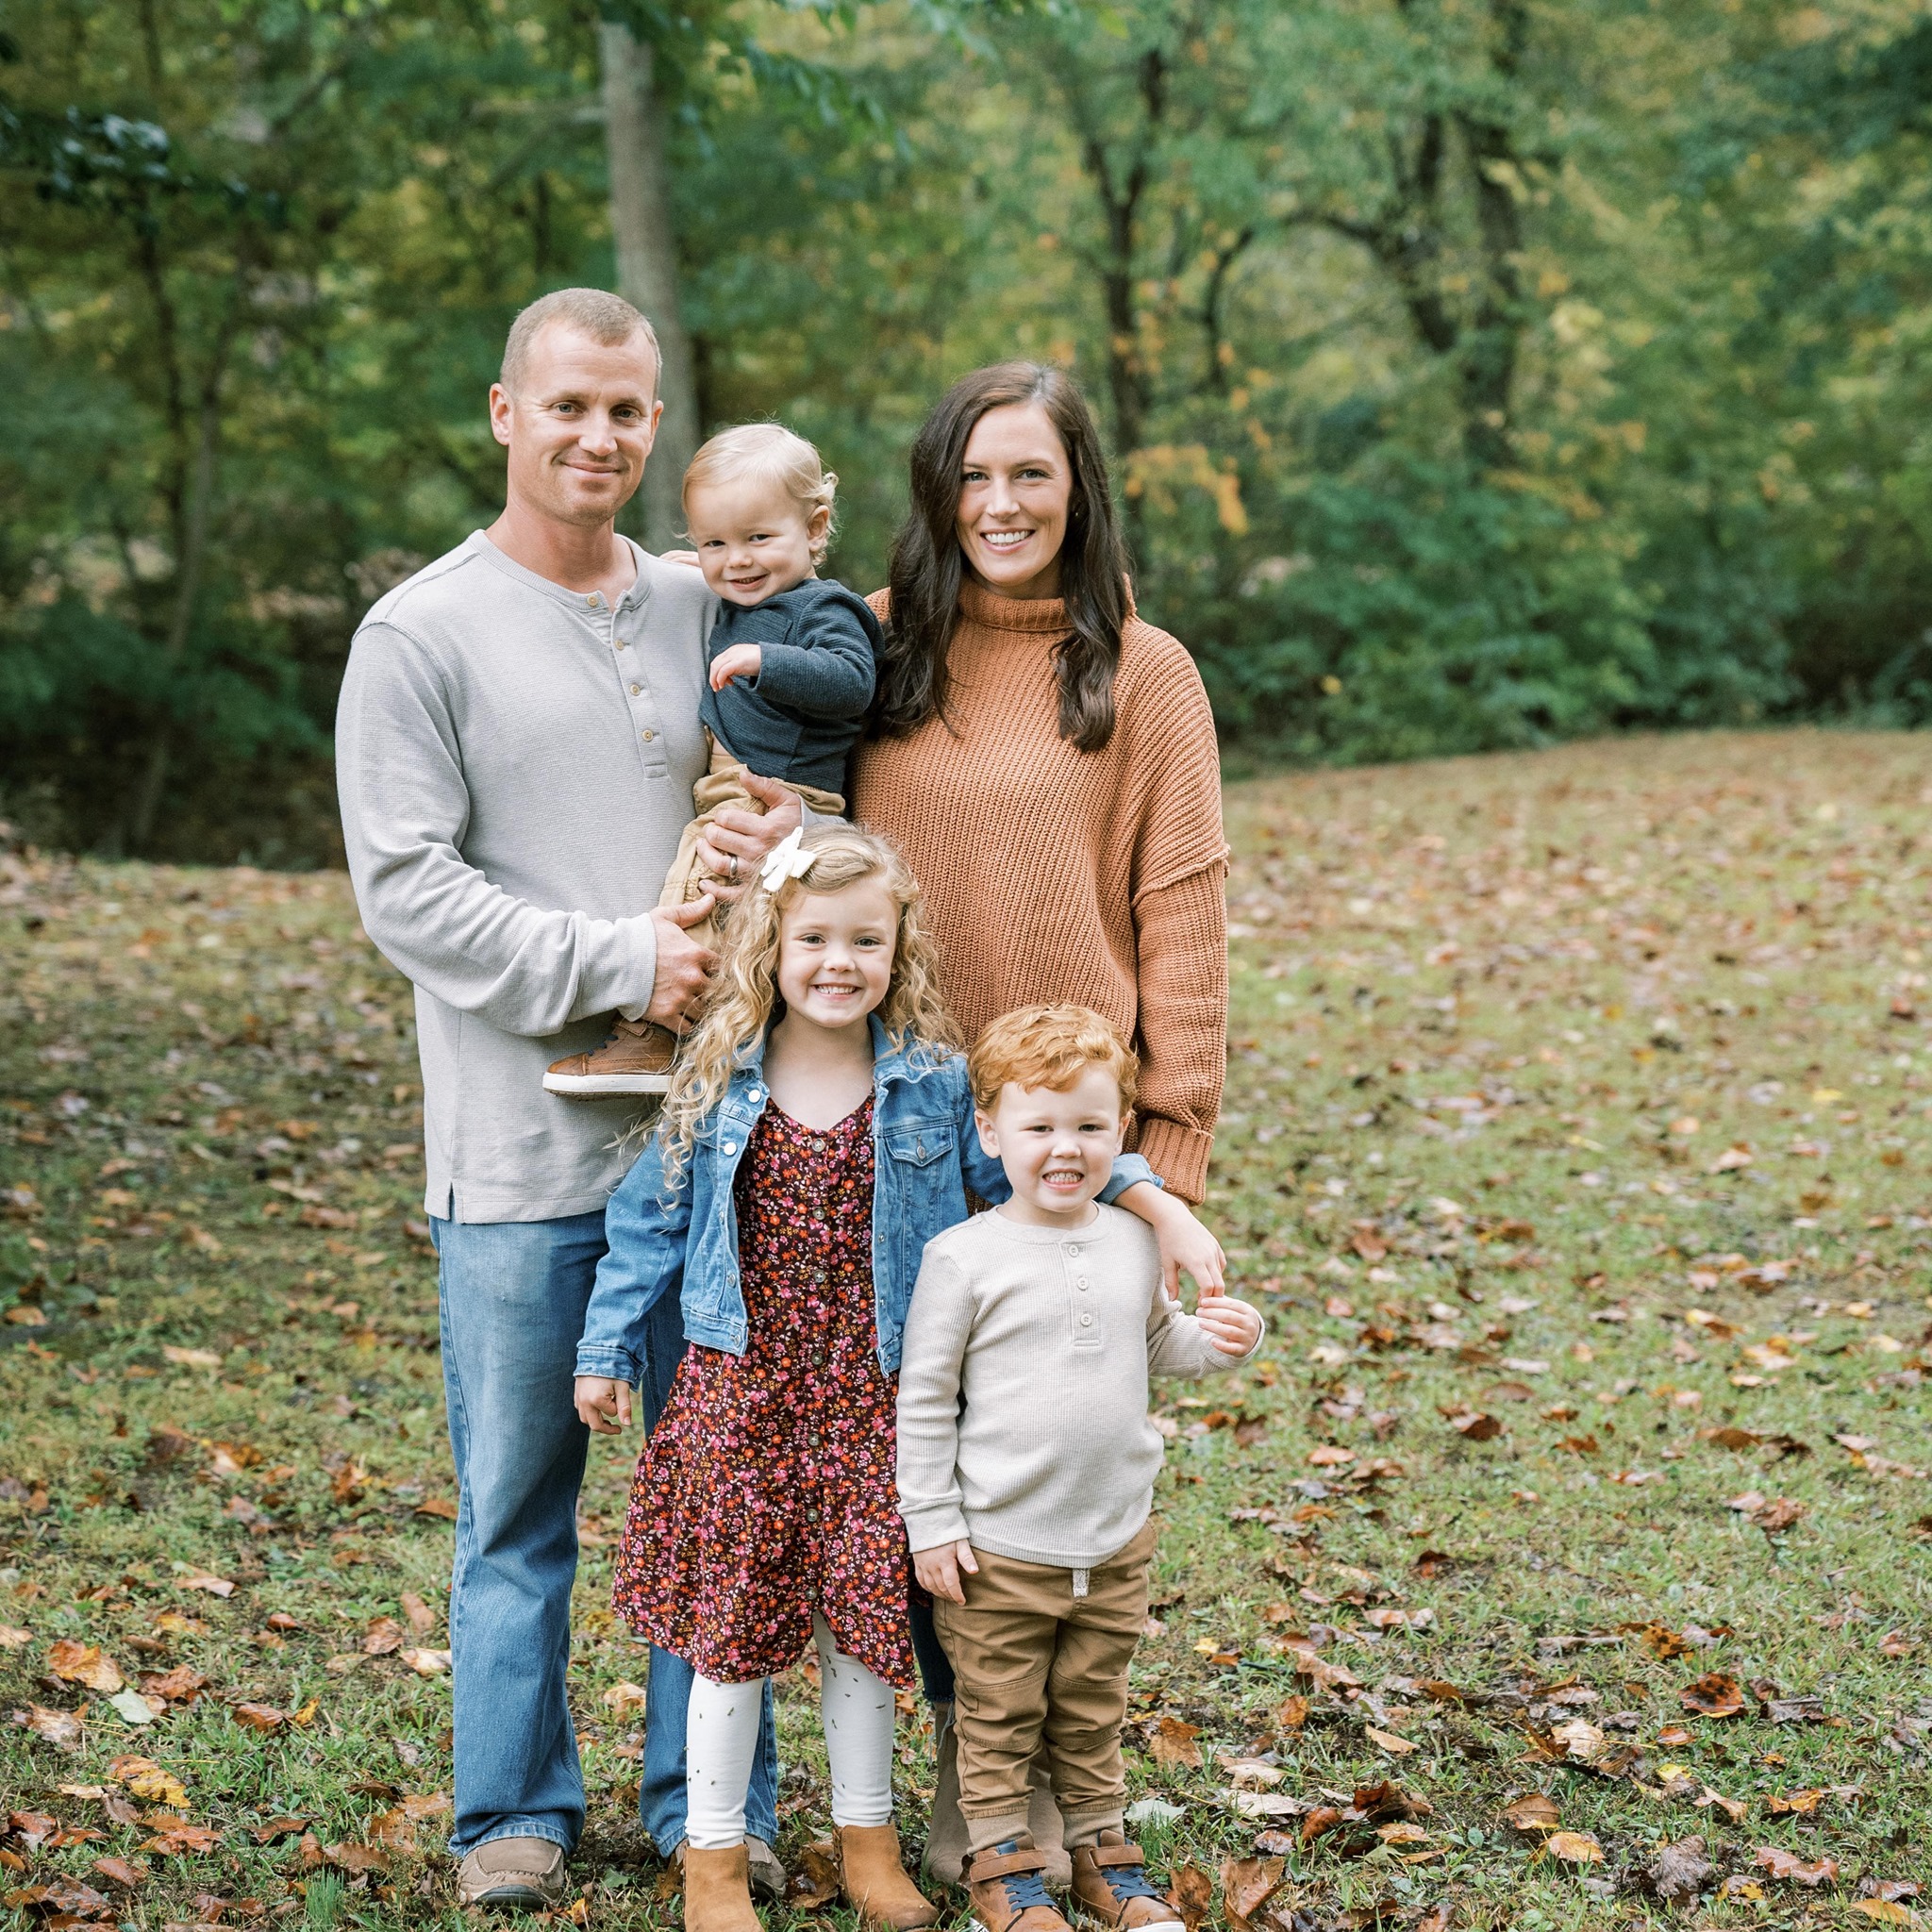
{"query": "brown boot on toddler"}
(1008, 1891)
(1111, 1890)
(872, 1874)
(634, 1058)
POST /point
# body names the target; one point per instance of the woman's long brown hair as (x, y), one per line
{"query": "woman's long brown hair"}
(927, 565)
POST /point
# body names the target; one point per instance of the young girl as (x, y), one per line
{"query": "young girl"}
(819, 1132)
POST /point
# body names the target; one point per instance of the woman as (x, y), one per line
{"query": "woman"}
(1045, 759)
(1047, 762)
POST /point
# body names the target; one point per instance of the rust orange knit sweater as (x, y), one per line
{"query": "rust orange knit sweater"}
(1052, 874)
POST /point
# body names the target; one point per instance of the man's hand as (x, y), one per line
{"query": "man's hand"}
(684, 967)
(1186, 1246)
(741, 660)
(937, 1569)
(603, 1406)
(689, 558)
(747, 836)
(1232, 1326)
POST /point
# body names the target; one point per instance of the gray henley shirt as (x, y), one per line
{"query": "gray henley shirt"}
(515, 762)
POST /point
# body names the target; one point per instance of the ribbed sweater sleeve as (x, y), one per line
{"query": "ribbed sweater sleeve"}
(1180, 915)
(939, 1326)
(1182, 929)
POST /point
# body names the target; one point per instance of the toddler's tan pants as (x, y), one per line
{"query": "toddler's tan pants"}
(723, 786)
(1034, 1659)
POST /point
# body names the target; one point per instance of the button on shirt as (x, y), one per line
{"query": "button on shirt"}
(515, 761)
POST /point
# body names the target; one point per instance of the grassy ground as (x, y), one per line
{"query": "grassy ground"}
(1575, 1141)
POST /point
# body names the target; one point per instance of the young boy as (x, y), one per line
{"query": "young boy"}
(1026, 1461)
(793, 661)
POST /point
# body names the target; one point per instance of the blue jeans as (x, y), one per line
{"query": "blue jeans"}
(513, 1295)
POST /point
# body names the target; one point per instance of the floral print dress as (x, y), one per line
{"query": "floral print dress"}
(766, 1491)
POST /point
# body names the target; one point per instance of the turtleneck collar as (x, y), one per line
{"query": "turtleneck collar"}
(1011, 613)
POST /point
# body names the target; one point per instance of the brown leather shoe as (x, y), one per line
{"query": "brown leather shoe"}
(872, 1874)
(634, 1058)
(518, 1874)
(768, 1874)
(717, 1892)
(1111, 1890)
(1008, 1892)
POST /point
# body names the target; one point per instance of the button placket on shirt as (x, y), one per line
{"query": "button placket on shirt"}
(1085, 1322)
(634, 679)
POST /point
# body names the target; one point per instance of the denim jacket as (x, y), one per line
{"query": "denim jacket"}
(925, 1155)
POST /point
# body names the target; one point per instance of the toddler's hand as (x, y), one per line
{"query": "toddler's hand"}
(741, 660)
(1232, 1326)
(937, 1569)
(603, 1406)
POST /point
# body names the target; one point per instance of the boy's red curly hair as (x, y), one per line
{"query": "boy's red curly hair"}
(1051, 1047)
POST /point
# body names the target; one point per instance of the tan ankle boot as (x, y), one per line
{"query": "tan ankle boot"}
(717, 1892)
(873, 1877)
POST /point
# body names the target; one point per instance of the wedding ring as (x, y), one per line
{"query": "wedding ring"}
(732, 875)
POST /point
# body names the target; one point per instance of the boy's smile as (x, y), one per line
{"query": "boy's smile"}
(1057, 1148)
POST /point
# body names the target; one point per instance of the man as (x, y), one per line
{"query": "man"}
(516, 744)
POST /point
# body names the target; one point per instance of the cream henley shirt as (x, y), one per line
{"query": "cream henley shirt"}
(1023, 1424)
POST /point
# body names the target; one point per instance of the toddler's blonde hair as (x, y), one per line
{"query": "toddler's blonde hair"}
(1050, 1047)
(772, 452)
(744, 991)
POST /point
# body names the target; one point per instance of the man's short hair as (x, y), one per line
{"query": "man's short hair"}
(596, 313)
(1051, 1047)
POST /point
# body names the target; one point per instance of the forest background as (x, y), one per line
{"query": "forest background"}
(1479, 373)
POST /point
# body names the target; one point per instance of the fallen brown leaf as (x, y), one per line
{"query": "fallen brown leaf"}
(1532, 1813)
(1174, 1742)
(82, 1663)
(1783, 1864)
(60, 1728)
(1190, 1893)
(1574, 1848)
(1679, 1871)
(347, 1857)
(383, 1636)
(422, 1617)
(1715, 1694)
(261, 1716)
(815, 1880)
(128, 1874)
(1246, 1886)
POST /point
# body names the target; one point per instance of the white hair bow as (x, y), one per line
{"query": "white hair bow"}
(788, 859)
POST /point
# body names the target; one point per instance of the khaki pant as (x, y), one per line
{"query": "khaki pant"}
(1034, 1661)
(723, 786)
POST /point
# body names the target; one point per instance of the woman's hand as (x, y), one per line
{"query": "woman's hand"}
(734, 842)
(1186, 1246)
(1232, 1326)
(603, 1406)
(937, 1569)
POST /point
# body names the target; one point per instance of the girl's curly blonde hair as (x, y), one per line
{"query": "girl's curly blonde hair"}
(744, 992)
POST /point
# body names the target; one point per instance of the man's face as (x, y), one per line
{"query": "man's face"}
(579, 426)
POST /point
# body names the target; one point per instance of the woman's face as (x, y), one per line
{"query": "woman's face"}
(1015, 486)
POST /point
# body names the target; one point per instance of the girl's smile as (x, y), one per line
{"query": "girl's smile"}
(835, 954)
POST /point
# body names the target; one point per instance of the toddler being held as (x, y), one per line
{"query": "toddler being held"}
(1028, 1459)
(790, 668)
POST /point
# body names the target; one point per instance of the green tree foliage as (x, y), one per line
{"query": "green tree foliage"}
(1480, 371)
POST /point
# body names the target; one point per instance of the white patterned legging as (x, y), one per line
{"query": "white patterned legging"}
(721, 1739)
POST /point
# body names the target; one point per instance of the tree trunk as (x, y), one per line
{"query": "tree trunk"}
(646, 245)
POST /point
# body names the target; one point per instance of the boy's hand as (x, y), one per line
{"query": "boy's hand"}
(603, 1406)
(937, 1569)
(1232, 1326)
(741, 660)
